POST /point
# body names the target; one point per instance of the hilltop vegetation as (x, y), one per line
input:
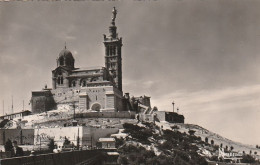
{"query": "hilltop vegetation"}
(148, 143)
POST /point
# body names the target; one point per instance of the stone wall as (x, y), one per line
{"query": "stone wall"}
(22, 136)
(108, 98)
(87, 136)
(123, 114)
(160, 115)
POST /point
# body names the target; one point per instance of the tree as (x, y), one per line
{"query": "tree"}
(155, 108)
(250, 152)
(221, 145)
(256, 146)
(255, 153)
(231, 148)
(119, 142)
(51, 145)
(66, 141)
(226, 148)
(175, 127)
(206, 139)
(191, 132)
(8, 145)
(212, 142)
(247, 159)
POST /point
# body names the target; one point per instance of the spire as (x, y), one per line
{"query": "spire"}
(114, 12)
(112, 28)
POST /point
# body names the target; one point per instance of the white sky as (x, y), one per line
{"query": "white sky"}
(203, 54)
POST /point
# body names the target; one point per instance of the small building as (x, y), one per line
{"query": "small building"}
(16, 115)
(232, 156)
(112, 158)
(106, 143)
(171, 117)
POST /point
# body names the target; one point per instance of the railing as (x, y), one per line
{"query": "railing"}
(88, 157)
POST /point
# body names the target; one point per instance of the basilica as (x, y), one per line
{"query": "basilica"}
(90, 88)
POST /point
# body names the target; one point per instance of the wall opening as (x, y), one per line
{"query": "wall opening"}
(96, 107)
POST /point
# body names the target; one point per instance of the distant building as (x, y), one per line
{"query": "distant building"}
(106, 143)
(231, 156)
(16, 115)
(171, 117)
(91, 88)
(112, 158)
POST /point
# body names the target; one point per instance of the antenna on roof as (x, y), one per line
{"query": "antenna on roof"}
(3, 107)
(12, 106)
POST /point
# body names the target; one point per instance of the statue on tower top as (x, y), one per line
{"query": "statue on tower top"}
(114, 12)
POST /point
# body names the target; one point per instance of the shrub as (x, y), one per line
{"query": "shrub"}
(175, 127)
(247, 159)
(119, 142)
(66, 142)
(191, 132)
(8, 145)
(51, 145)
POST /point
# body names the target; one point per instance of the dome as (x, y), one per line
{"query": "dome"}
(65, 59)
(66, 53)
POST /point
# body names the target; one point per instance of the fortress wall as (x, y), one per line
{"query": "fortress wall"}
(122, 114)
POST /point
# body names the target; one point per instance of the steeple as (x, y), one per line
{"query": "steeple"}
(113, 59)
(112, 28)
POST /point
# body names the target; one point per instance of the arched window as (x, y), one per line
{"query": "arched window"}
(73, 83)
(110, 50)
(61, 61)
(96, 107)
(84, 83)
(114, 50)
(60, 79)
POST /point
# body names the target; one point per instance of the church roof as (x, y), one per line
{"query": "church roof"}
(88, 68)
(66, 53)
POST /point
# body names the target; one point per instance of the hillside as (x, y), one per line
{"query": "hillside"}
(218, 139)
(154, 135)
(164, 143)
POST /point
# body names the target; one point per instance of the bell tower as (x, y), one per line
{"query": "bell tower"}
(113, 58)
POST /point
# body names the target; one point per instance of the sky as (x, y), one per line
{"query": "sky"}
(201, 54)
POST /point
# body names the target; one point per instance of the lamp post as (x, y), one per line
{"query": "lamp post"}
(74, 121)
(78, 140)
(73, 105)
(173, 105)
